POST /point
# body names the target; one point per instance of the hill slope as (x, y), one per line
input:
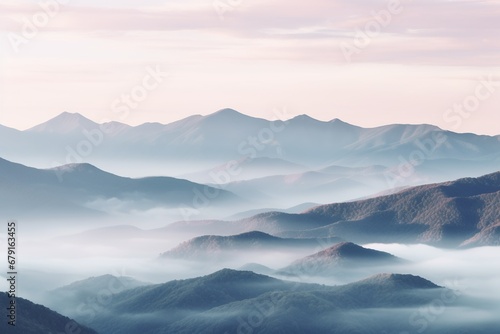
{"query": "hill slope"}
(338, 258)
(70, 189)
(443, 214)
(35, 319)
(87, 291)
(213, 246)
(228, 300)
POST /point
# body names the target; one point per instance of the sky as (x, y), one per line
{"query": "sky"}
(367, 62)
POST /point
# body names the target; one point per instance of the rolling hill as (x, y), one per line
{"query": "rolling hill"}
(90, 291)
(228, 300)
(215, 247)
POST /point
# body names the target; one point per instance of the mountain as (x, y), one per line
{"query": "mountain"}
(228, 300)
(217, 247)
(199, 293)
(154, 308)
(227, 135)
(88, 291)
(295, 209)
(393, 281)
(338, 259)
(443, 214)
(79, 188)
(35, 319)
(488, 236)
(360, 307)
(65, 123)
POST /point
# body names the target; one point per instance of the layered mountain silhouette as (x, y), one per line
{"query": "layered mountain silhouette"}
(249, 168)
(338, 259)
(257, 268)
(87, 294)
(228, 300)
(216, 247)
(332, 183)
(445, 214)
(70, 189)
(33, 318)
(228, 135)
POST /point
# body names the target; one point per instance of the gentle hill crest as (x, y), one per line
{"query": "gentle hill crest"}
(338, 258)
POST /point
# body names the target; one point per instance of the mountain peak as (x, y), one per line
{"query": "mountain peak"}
(400, 280)
(231, 275)
(339, 122)
(340, 256)
(226, 112)
(102, 282)
(77, 167)
(305, 118)
(64, 123)
(350, 250)
(254, 235)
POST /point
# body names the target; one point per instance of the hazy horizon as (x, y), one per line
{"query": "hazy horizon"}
(232, 166)
(274, 116)
(411, 62)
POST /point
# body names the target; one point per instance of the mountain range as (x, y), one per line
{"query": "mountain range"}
(448, 214)
(280, 164)
(230, 300)
(85, 190)
(80, 298)
(200, 143)
(214, 247)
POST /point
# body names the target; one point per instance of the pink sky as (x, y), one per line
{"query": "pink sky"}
(421, 60)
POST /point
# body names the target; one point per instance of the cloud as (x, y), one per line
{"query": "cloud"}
(423, 32)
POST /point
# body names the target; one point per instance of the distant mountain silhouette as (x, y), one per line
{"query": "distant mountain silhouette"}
(223, 136)
(68, 189)
(64, 123)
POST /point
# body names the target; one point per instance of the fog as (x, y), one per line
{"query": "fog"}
(473, 270)
(51, 259)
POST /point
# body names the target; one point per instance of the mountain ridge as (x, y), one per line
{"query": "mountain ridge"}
(229, 112)
(442, 214)
(339, 259)
(71, 187)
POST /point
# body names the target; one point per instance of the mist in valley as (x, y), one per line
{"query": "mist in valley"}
(58, 257)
